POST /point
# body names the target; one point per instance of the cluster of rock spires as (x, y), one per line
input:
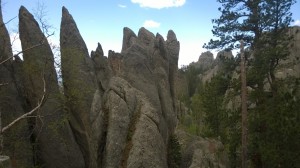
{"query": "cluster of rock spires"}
(115, 111)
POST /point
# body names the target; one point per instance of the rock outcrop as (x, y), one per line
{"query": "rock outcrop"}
(130, 95)
(53, 137)
(11, 102)
(115, 111)
(80, 85)
(291, 66)
(209, 66)
(125, 113)
(201, 152)
(205, 61)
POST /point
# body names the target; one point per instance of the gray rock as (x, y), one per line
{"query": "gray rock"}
(201, 152)
(205, 61)
(102, 68)
(56, 146)
(133, 137)
(15, 141)
(145, 36)
(121, 109)
(120, 104)
(80, 85)
(128, 38)
(290, 67)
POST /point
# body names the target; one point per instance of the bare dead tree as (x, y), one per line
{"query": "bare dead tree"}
(40, 14)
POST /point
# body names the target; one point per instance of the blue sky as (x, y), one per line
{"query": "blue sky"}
(103, 20)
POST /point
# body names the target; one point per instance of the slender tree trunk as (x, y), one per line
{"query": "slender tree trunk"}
(244, 106)
(1, 135)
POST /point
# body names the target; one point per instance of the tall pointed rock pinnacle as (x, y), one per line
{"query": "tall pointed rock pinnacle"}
(128, 38)
(79, 84)
(5, 46)
(39, 67)
(11, 106)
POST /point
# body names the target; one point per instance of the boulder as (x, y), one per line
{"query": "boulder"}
(201, 152)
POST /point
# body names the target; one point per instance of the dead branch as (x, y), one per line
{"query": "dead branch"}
(3, 84)
(28, 114)
(34, 46)
(8, 21)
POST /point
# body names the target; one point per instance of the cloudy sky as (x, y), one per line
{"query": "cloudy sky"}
(103, 20)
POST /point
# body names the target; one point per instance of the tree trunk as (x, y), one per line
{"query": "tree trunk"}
(244, 106)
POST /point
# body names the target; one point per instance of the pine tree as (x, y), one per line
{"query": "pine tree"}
(262, 25)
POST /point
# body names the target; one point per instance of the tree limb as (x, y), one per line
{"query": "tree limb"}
(28, 113)
(8, 21)
(21, 52)
(3, 84)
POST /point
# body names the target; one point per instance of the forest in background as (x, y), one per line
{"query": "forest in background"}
(272, 48)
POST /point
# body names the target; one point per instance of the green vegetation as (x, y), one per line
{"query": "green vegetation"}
(274, 119)
(174, 152)
(273, 105)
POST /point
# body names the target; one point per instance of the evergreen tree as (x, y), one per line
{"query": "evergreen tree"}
(262, 24)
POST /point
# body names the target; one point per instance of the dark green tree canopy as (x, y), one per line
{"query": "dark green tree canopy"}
(246, 20)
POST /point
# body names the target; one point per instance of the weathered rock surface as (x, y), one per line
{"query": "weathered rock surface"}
(115, 111)
(201, 152)
(205, 61)
(55, 143)
(143, 94)
(290, 67)
(18, 149)
(210, 66)
(102, 68)
(80, 85)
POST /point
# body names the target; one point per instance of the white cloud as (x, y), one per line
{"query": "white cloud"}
(297, 23)
(122, 6)
(159, 4)
(151, 24)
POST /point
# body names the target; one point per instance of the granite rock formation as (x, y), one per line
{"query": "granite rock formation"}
(201, 152)
(55, 143)
(205, 61)
(126, 112)
(115, 111)
(210, 66)
(11, 102)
